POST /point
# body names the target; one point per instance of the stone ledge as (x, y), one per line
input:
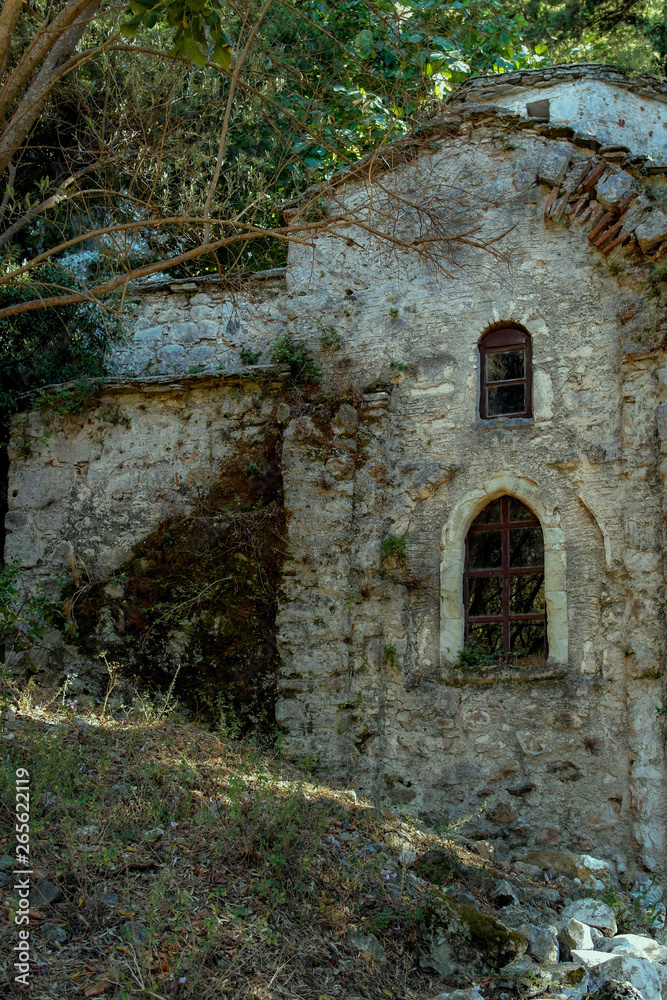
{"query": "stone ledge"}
(163, 383)
(550, 671)
(183, 286)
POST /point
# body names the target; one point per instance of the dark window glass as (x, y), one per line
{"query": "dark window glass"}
(527, 638)
(490, 514)
(526, 547)
(526, 594)
(518, 512)
(485, 549)
(504, 583)
(489, 637)
(506, 373)
(503, 400)
(505, 365)
(485, 595)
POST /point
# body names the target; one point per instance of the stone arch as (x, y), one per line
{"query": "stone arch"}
(452, 549)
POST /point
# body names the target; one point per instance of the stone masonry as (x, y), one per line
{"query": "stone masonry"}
(485, 216)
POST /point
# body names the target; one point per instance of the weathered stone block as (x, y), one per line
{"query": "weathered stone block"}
(652, 231)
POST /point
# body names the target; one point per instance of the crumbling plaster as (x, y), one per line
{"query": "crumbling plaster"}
(605, 105)
(571, 754)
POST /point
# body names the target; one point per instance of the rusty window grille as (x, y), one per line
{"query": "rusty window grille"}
(504, 583)
(506, 376)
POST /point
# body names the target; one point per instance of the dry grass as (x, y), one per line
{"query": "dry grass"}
(253, 890)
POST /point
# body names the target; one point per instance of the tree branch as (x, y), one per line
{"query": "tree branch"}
(228, 109)
(8, 18)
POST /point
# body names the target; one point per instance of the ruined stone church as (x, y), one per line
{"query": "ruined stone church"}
(469, 616)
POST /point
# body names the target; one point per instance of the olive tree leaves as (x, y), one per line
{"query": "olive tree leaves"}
(195, 26)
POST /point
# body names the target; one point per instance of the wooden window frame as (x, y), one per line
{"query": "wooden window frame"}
(496, 342)
(506, 572)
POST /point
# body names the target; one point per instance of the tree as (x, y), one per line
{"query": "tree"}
(631, 34)
(167, 138)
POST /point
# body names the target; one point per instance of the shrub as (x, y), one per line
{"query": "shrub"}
(394, 546)
(295, 354)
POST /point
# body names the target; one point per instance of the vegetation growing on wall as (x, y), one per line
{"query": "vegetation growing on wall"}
(197, 600)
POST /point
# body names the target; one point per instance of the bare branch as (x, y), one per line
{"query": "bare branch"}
(34, 99)
(8, 191)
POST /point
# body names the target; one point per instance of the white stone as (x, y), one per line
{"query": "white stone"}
(576, 936)
(637, 944)
(593, 912)
(593, 960)
(637, 971)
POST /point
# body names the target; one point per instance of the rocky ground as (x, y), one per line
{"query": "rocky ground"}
(170, 862)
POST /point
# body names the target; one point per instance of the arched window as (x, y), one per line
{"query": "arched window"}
(505, 609)
(506, 373)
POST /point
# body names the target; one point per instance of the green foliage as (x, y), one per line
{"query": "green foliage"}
(51, 345)
(633, 914)
(476, 657)
(330, 340)
(249, 357)
(389, 654)
(25, 616)
(394, 545)
(71, 400)
(631, 34)
(288, 351)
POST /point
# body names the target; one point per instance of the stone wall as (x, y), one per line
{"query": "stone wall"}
(89, 487)
(189, 327)
(568, 753)
(573, 754)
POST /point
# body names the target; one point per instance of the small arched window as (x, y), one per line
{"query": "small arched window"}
(504, 599)
(506, 374)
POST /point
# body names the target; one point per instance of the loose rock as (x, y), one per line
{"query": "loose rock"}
(637, 971)
(527, 977)
(369, 945)
(542, 943)
(559, 862)
(636, 944)
(593, 912)
(569, 975)
(460, 937)
(505, 895)
(54, 934)
(155, 833)
(43, 893)
(613, 990)
(135, 932)
(473, 994)
(575, 935)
